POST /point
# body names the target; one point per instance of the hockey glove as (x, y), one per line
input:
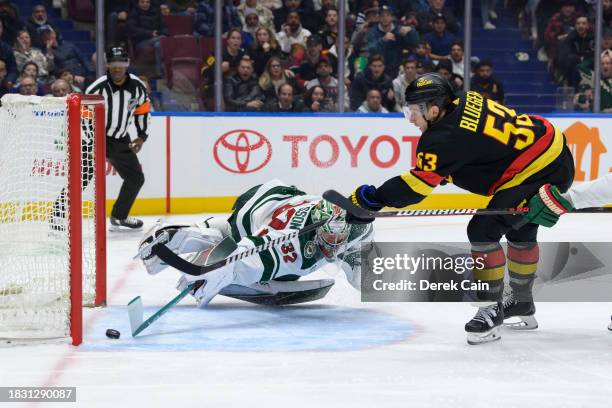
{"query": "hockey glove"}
(547, 206)
(364, 197)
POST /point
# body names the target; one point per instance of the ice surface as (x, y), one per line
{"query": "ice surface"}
(336, 352)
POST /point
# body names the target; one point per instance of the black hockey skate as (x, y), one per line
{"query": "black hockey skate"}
(485, 325)
(524, 311)
(127, 224)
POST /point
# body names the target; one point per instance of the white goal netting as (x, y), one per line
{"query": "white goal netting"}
(35, 233)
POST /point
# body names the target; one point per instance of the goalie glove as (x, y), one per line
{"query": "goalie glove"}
(547, 206)
(364, 197)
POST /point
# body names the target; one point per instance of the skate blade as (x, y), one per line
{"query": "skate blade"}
(119, 228)
(525, 323)
(486, 337)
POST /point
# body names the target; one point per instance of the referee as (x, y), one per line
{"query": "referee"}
(126, 102)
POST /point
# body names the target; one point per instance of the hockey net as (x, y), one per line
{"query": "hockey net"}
(52, 222)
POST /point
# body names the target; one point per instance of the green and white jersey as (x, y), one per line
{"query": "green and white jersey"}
(276, 209)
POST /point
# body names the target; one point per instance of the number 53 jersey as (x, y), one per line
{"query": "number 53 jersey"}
(484, 147)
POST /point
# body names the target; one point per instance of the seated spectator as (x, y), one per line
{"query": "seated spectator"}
(204, 22)
(577, 47)
(37, 23)
(440, 39)
(305, 11)
(306, 71)
(424, 67)
(316, 100)
(436, 7)
(249, 29)
(456, 59)
(9, 15)
(373, 77)
(390, 41)
(329, 30)
(286, 102)
(241, 91)
(266, 18)
(117, 12)
(24, 52)
(587, 83)
(348, 57)
(66, 57)
(4, 88)
(372, 104)
(445, 69)
(232, 53)
(409, 73)
(27, 86)
(145, 29)
(292, 33)
(8, 57)
(422, 53)
(30, 69)
(583, 100)
(59, 88)
(558, 28)
(164, 9)
(180, 7)
(272, 78)
(263, 48)
(484, 83)
(67, 76)
(328, 82)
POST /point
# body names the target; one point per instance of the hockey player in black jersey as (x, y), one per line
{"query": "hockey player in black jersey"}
(488, 149)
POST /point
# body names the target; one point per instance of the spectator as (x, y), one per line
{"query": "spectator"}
(263, 48)
(8, 57)
(24, 52)
(440, 39)
(10, 21)
(66, 56)
(204, 22)
(445, 69)
(272, 78)
(577, 47)
(422, 53)
(145, 28)
(424, 67)
(4, 88)
(59, 87)
(232, 53)
(559, 27)
(292, 33)
(328, 82)
(484, 83)
(487, 12)
(363, 24)
(329, 31)
(67, 76)
(117, 12)
(286, 101)
(316, 100)
(456, 58)
(373, 77)
(27, 86)
(271, 4)
(372, 104)
(306, 71)
(348, 57)
(249, 29)
(583, 100)
(409, 73)
(437, 7)
(390, 41)
(241, 91)
(164, 9)
(181, 7)
(587, 83)
(37, 23)
(305, 11)
(266, 18)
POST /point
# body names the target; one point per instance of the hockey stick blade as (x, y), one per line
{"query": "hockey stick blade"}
(341, 201)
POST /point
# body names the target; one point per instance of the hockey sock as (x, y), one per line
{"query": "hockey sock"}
(522, 265)
(493, 259)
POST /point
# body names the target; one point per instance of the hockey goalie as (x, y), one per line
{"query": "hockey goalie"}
(273, 276)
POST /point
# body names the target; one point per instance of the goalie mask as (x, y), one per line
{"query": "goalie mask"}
(187, 240)
(332, 237)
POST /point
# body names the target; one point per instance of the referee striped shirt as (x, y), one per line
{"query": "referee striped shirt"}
(124, 104)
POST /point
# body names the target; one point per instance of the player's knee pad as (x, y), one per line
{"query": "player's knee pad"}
(186, 240)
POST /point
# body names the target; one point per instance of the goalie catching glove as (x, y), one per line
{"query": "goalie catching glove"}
(547, 206)
(364, 197)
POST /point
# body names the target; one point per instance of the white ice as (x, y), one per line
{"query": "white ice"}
(337, 352)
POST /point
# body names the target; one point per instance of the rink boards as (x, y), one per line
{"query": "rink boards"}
(195, 162)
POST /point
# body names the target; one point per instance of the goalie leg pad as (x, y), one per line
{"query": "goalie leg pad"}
(279, 293)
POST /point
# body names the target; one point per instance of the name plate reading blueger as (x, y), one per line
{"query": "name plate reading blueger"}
(445, 272)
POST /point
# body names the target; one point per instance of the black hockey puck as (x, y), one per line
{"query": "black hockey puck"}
(113, 334)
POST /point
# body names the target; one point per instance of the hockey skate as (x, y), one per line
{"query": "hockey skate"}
(485, 325)
(524, 311)
(127, 224)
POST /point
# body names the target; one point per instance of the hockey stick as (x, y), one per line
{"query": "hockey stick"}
(135, 308)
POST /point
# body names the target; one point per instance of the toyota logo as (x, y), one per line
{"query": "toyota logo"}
(242, 151)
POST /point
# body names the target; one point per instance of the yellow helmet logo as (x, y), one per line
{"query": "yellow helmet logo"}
(423, 82)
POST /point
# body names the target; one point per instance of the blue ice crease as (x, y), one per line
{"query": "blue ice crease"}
(250, 328)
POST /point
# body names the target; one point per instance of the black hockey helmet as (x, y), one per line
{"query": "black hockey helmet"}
(116, 53)
(429, 87)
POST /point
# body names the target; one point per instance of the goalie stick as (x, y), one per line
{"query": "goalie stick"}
(345, 203)
(135, 308)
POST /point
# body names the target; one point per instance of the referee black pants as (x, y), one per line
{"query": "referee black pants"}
(125, 161)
